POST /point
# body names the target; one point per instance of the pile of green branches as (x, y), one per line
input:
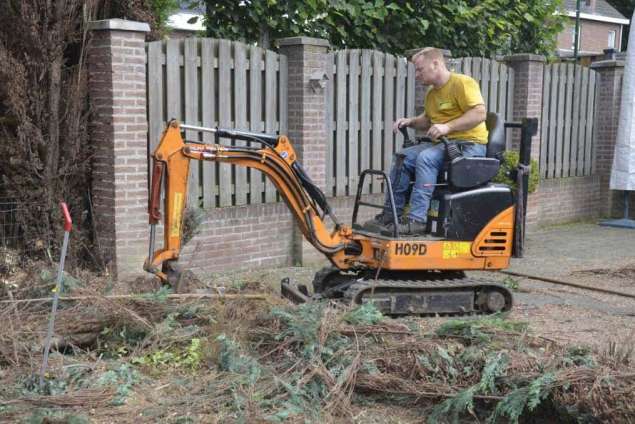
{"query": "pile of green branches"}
(314, 361)
(253, 361)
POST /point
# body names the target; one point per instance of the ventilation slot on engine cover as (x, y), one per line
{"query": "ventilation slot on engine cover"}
(495, 241)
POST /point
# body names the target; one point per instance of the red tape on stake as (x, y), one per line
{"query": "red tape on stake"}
(68, 223)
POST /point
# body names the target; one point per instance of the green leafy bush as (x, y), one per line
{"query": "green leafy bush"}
(510, 163)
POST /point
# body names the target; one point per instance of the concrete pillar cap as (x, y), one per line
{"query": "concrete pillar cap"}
(303, 41)
(525, 57)
(118, 25)
(608, 64)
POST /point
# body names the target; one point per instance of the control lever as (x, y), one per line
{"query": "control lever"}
(407, 141)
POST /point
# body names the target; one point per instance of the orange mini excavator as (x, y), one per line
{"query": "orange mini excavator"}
(473, 224)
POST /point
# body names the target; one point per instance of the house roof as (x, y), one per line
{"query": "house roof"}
(602, 10)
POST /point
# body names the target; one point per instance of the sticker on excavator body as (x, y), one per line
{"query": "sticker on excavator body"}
(177, 210)
(434, 209)
(456, 249)
(410, 249)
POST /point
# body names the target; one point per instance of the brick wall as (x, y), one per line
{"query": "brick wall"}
(564, 200)
(244, 237)
(256, 236)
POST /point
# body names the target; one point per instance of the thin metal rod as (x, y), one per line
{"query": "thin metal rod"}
(197, 128)
(140, 297)
(567, 283)
(577, 32)
(153, 232)
(625, 204)
(56, 296)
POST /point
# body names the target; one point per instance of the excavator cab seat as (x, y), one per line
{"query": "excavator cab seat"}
(469, 172)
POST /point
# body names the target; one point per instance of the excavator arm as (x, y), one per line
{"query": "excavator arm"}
(276, 158)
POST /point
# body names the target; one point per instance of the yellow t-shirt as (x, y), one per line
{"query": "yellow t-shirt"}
(452, 100)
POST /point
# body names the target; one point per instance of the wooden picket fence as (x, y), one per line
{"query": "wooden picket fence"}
(369, 90)
(568, 114)
(210, 82)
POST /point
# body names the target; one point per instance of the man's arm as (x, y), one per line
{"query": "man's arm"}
(421, 122)
(471, 118)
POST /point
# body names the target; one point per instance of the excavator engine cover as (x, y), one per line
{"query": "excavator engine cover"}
(462, 215)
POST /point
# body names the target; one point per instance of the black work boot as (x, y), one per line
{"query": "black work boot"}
(407, 227)
(377, 224)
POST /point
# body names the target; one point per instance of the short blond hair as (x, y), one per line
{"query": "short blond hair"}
(430, 53)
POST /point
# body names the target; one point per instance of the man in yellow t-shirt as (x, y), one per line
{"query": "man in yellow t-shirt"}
(454, 108)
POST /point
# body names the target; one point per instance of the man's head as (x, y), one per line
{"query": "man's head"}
(430, 66)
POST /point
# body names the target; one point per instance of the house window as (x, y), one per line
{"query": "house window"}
(611, 39)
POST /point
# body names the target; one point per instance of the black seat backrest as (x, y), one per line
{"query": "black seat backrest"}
(496, 140)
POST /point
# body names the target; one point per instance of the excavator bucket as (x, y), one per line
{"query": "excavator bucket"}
(295, 293)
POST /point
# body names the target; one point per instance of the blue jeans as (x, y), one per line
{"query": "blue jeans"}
(421, 163)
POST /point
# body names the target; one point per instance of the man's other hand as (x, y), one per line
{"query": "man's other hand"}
(400, 123)
(438, 130)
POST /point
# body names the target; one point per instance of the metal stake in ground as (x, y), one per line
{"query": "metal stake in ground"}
(68, 225)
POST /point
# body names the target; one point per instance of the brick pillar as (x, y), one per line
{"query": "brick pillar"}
(527, 103)
(118, 132)
(608, 96)
(307, 112)
(527, 95)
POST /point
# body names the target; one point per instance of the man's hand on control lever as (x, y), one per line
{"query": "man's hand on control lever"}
(438, 130)
(400, 123)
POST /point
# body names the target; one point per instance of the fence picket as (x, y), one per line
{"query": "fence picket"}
(378, 95)
(330, 137)
(353, 121)
(590, 155)
(364, 118)
(575, 120)
(256, 178)
(467, 66)
(494, 77)
(477, 62)
(582, 159)
(509, 112)
(566, 151)
(271, 92)
(240, 115)
(283, 95)
(340, 124)
(389, 114)
(485, 80)
(224, 118)
(400, 93)
(502, 93)
(410, 90)
(553, 123)
(155, 94)
(544, 125)
(173, 78)
(190, 56)
(560, 130)
(208, 108)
